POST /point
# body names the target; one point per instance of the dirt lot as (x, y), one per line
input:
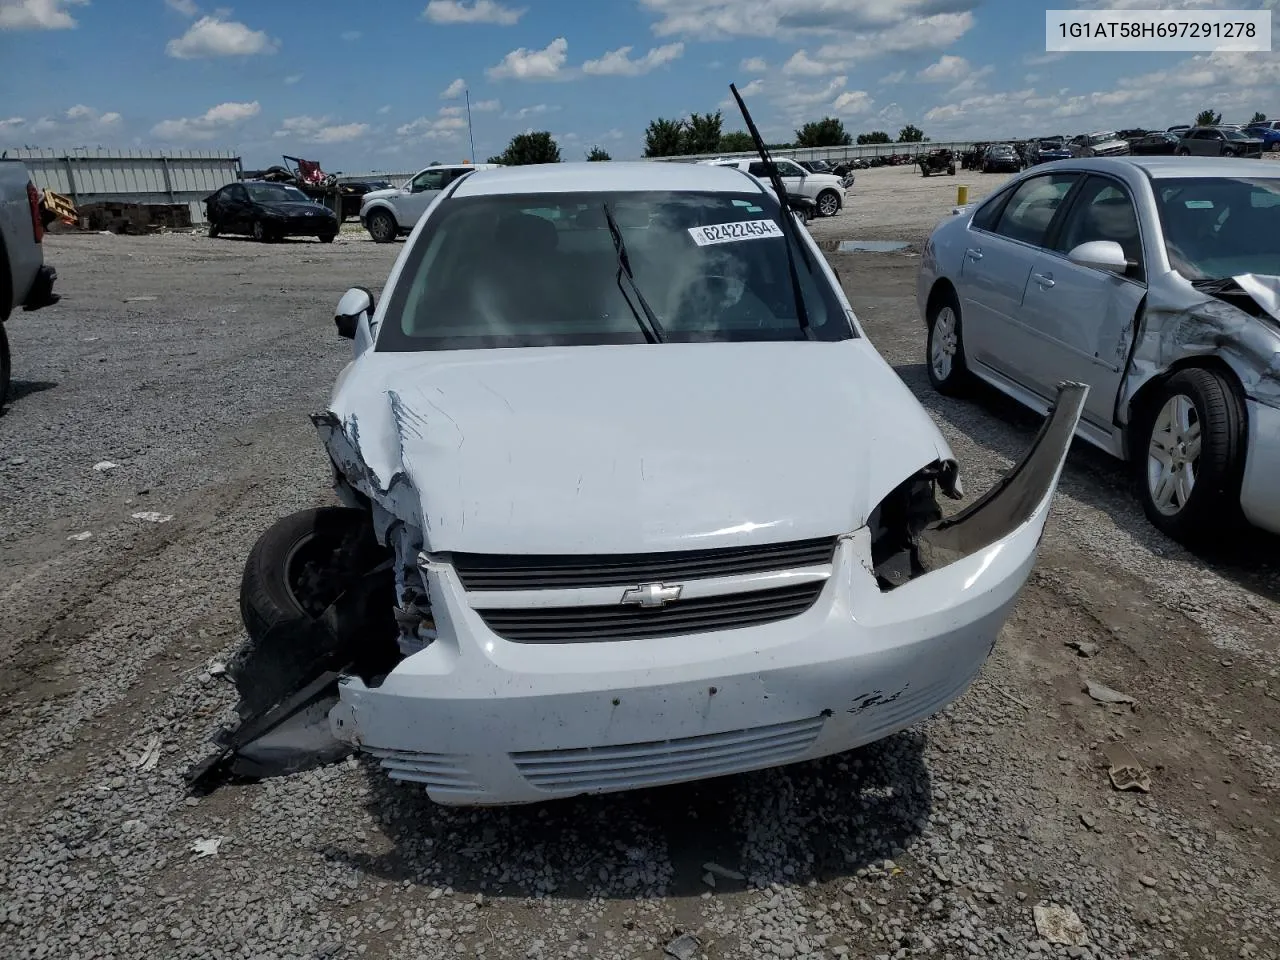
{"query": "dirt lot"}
(191, 364)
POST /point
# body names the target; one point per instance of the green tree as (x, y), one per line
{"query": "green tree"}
(702, 133)
(598, 153)
(827, 132)
(736, 141)
(911, 134)
(526, 148)
(1207, 118)
(875, 136)
(1259, 118)
(664, 138)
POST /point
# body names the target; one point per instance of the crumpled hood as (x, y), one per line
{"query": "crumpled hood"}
(631, 448)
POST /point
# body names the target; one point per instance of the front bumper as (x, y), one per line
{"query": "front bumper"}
(1259, 495)
(41, 293)
(304, 226)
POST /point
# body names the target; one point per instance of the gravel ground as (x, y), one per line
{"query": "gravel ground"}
(939, 842)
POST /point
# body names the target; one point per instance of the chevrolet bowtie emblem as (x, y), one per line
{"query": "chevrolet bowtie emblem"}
(652, 594)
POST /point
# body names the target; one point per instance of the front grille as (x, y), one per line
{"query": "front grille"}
(623, 767)
(729, 611)
(479, 571)
(441, 773)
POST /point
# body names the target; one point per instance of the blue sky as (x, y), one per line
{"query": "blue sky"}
(376, 85)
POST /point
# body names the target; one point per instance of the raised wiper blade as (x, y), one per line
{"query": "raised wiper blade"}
(788, 218)
(653, 331)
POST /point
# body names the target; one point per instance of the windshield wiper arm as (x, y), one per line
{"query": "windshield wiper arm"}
(649, 322)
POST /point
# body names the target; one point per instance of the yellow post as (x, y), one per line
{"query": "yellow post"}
(962, 196)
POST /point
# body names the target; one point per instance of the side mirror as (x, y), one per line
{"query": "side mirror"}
(355, 303)
(1100, 255)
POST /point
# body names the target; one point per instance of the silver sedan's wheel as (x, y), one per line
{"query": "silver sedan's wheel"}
(943, 348)
(1173, 455)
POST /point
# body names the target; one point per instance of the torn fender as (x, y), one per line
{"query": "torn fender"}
(1022, 496)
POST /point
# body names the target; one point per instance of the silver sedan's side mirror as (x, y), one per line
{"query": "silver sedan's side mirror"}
(355, 303)
(1100, 255)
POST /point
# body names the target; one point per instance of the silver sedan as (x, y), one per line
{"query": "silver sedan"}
(1156, 280)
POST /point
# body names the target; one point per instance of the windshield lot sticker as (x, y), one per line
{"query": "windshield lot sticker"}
(733, 232)
(1199, 204)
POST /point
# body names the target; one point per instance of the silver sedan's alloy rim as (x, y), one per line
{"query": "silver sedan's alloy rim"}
(1173, 456)
(943, 352)
(828, 206)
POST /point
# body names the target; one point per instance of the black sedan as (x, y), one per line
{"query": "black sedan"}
(1001, 156)
(1154, 144)
(268, 212)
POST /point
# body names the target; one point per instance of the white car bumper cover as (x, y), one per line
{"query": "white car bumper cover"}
(481, 720)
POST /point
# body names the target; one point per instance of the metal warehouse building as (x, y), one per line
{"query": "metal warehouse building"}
(97, 175)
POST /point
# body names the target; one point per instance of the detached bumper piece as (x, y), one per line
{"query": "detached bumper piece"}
(41, 293)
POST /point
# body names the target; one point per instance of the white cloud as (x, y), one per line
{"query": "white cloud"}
(451, 111)
(803, 65)
(350, 35)
(384, 109)
(486, 106)
(212, 37)
(852, 102)
(525, 64)
(10, 124)
(536, 110)
(618, 63)
(320, 130)
(896, 77)
(1040, 59)
(187, 8)
(38, 14)
(479, 11)
(292, 79)
(214, 121)
(79, 120)
(962, 76)
(922, 33)
(454, 90)
(753, 65)
(794, 19)
(446, 125)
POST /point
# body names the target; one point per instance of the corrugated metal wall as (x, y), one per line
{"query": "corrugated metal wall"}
(131, 176)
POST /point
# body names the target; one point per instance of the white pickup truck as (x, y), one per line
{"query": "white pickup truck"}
(25, 279)
(393, 212)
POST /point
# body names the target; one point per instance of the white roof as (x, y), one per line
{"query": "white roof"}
(611, 175)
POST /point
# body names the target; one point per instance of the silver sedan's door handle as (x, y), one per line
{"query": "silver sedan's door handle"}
(1044, 279)
(973, 254)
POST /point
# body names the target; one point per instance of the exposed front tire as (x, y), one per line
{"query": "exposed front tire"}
(1275, 147)
(1189, 455)
(1182, 152)
(327, 237)
(297, 568)
(213, 229)
(382, 226)
(259, 232)
(1228, 153)
(944, 347)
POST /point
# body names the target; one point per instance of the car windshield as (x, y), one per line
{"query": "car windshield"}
(1221, 226)
(275, 193)
(542, 270)
(1101, 137)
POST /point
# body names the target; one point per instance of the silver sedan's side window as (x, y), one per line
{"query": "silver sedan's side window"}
(1103, 211)
(1027, 215)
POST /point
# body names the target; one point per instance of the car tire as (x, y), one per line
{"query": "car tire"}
(1228, 153)
(382, 226)
(944, 347)
(1182, 152)
(297, 568)
(213, 229)
(327, 237)
(259, 232)
(1275, 146)
(6, 368)
(828, 203)
(1190, 492)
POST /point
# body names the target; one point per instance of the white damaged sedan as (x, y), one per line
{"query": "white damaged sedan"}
(630, 499)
